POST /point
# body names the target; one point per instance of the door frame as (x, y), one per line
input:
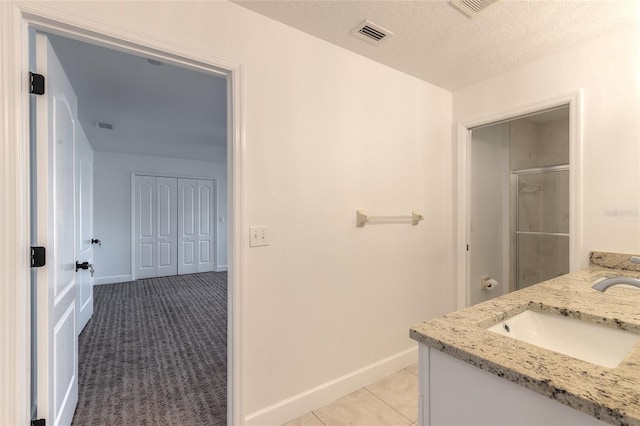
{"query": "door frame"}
(462, 141)
(133, 213)
(16, 18)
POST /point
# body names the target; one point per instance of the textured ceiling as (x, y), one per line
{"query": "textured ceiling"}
(164, 110)
(437, 43)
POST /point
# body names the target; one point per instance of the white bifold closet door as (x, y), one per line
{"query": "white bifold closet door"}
(155, 226)
(195, 225)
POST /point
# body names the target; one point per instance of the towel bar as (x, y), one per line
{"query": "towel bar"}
(362, 218)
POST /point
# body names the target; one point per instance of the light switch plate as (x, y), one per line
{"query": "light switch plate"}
(259, 236)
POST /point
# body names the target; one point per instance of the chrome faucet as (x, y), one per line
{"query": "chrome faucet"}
(605, 284)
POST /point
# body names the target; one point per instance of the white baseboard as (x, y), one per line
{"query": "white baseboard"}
(221, 268)
(311, 399)
(112, 279)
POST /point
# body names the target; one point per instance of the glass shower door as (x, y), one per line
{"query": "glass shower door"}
(541, 224)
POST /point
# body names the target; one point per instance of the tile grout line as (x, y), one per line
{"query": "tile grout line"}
(318, 417)
(391, 406)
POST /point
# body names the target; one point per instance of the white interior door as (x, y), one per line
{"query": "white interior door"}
(56, 113)
(84, 226)
(206, 215)
(187, 226)
(145, 218)
(196, 237)
(155, 224)
(167, 247)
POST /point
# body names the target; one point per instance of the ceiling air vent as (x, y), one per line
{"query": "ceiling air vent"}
(472, 7)
(370, 32)
(101, 125)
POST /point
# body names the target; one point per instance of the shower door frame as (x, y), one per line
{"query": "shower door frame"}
(461, 267)
(514, 272)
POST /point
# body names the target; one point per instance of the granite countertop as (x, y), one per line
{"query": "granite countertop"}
(610, 394)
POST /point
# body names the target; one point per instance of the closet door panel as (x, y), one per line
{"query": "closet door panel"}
(146, 200)
(187, 226)
(204, 192)
(205, 253)
(206, 215)
(167, 224)
(164, 254)
(145, 226)
(147, 258)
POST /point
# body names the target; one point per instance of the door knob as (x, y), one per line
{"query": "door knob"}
(83, 265)
(96, 241)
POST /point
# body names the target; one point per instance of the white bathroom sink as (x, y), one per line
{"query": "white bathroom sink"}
(589, 342)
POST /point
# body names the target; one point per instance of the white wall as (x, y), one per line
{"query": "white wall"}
(608, 71)
(325, 132)
(490, 215)
(112, 206)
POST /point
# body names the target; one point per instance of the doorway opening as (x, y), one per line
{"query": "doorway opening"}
(146, 114)
(518, 213)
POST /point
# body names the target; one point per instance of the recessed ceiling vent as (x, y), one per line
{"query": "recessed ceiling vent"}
(101, 125)
(370, 32)
(472, 7)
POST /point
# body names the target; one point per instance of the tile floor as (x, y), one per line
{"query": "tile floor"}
(392, 401)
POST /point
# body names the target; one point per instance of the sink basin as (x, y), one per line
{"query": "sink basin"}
(594, 343)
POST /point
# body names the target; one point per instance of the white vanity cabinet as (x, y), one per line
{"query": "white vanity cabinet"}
(453, 392)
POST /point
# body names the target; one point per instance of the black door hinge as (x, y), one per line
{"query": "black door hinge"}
(39, 422)
(37, 83)
(467, 247)
(38, 257)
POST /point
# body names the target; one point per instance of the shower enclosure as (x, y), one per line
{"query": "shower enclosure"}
(541, 224)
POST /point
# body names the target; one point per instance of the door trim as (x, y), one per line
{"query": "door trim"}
(463, 184)
(16, 18)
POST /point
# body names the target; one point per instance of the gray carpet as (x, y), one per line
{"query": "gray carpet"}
(154, 353)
